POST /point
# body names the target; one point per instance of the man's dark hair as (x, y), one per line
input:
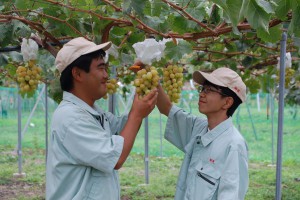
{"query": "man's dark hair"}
(225, 93)
(84, 63)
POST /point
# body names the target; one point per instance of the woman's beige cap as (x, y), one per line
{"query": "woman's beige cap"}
(76, 48)
(224, 77)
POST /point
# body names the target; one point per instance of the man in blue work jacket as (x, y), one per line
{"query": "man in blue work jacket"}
(87, 144)
(215, 165)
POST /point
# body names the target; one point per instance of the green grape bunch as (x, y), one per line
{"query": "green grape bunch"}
(173, 82)
(111, 86)
(289, 76)
(146, 80)
(28, 77)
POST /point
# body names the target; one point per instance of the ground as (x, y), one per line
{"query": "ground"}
(15, 189)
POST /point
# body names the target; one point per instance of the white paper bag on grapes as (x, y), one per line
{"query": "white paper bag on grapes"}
(113, 50)
(29, 74)
(147, 52)
(29, 49)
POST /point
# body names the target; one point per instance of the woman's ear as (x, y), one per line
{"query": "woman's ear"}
(228, 103)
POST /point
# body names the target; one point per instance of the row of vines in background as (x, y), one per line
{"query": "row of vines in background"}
(28, 75)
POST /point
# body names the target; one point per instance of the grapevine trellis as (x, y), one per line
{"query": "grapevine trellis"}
(241, 34)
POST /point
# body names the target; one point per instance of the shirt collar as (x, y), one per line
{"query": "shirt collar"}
(67, 96)
(215, 132)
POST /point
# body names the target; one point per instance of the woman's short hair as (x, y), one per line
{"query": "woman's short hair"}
(225, 93)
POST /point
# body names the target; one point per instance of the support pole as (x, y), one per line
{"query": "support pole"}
(46, 118)
(112, 98)
(272, 121)
(280, 114)
(31, 115)
(252, 123)
(258, 102)
(20, 174)
(238, 118)
(146, 151)
(161, 136)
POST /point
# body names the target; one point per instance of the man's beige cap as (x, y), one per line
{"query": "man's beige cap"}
(76, 48)
(224, 77)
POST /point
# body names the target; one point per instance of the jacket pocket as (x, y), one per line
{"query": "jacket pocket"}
(207, 180)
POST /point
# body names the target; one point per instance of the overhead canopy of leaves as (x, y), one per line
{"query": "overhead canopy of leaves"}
(243, 33)
(206, 23)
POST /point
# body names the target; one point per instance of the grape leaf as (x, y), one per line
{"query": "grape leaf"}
(294, 27)
(232, 8)
(282, 9)
(267, 6)
(255, 14)
(175, 52)
(272, 36)
(5, 34)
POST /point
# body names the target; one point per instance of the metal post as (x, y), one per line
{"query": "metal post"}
(146, 151)
(252, 123)
(46, 119)
(258, 102)
(280, 114)
(19, 151)
(19, 134)
(238, 118)
(30, 116)
(272, 121)
(161, 136)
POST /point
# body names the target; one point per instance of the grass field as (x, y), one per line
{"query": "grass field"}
(165, 160)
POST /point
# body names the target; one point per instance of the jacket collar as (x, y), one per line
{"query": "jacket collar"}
(95, 110)
(216, 132)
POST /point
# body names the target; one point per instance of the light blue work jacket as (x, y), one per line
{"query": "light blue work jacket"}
(84, 149)
(215, 165)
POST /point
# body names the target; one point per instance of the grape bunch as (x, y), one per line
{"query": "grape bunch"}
(112, 86)
(146, 80)
(173, 82)
(289, 74)
(28, 77)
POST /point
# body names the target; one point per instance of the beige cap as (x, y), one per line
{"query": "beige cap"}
(224, 77)
(76, 48)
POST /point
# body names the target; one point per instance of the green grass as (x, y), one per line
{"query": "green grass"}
(163, 170)
(163, 173)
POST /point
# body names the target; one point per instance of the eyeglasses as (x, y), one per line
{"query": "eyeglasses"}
(208, 90)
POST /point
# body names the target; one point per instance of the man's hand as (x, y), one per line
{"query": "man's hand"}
(138, 65)
(141, 108)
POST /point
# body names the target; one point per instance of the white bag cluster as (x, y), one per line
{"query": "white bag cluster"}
(113, 50)
(150, 50)
(288, 61)
(29, 49)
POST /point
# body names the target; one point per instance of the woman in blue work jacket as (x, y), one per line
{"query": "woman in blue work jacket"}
(215, 165)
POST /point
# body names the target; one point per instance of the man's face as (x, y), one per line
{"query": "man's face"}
(96, 78)
(211, 100)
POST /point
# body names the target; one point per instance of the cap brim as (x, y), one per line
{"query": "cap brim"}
(103, 46)
(200, 77)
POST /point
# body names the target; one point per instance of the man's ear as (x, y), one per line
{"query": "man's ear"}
(229, 102)
(76, 73)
